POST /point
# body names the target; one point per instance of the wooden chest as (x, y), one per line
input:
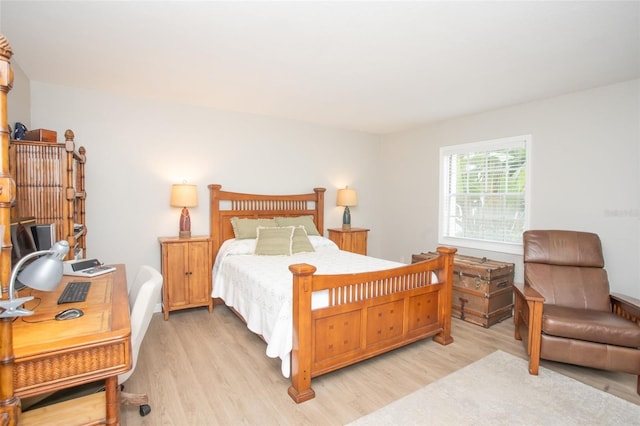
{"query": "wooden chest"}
(482, 288)
(42, 135)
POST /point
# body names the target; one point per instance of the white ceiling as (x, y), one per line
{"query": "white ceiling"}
(377, 66)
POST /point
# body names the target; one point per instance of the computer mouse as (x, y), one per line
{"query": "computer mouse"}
(69, 314)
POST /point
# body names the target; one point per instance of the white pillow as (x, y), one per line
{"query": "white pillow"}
(235, 246)
(321, 243)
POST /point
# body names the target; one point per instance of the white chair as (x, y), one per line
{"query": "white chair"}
(146, 294)
(144, 273)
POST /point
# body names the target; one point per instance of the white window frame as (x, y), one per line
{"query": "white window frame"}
(445, 217)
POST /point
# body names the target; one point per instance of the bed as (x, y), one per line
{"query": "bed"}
(344, 309)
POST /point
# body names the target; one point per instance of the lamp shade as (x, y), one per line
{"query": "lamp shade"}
(347, 197)
(42, 274)
(45, 272)
(184, 195)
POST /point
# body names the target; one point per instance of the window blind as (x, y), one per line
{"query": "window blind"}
(484, 192)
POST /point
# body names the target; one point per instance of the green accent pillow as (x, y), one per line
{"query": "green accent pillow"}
(306, 221)
(246, 228)
(301, 241)
(274, 241)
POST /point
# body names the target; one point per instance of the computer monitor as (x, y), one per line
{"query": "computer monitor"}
(22, 238)
(22, 242)
(44, 235)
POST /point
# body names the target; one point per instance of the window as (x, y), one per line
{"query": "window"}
(484, 196)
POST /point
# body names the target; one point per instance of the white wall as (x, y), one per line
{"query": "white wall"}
(137, 148)
(19, 99)
(586, 157)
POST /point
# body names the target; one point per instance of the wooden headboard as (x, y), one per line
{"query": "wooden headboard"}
(223, 205)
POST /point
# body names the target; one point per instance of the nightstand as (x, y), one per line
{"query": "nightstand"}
(186, 267)
(354, 239)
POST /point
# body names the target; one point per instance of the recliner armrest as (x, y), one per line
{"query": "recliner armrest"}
(626, 306)
(528, 292)
(527, 318)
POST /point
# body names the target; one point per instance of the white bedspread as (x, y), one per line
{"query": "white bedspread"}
(260, 287)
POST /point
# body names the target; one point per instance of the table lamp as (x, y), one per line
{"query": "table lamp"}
(42, 274)
(347, 197)
(184, 195)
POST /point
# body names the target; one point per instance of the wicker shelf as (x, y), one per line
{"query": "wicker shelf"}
(50, 186)
(85, 410)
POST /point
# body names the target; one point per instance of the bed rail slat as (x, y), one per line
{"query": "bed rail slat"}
(223, 205)
(363, 290)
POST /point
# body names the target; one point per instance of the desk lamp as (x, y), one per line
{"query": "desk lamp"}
(184, 195)
(347, 197)
(43, 274)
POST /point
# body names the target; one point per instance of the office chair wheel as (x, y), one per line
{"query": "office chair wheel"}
(145, 409)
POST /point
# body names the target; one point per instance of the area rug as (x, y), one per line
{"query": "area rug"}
(498, 390)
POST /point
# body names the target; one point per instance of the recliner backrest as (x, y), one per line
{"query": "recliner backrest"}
(148, 295)
(567, 268)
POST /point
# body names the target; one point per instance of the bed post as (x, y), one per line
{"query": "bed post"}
(300, 389)
(214, 218)
(9, 403)
(446, 296)
(320, 209)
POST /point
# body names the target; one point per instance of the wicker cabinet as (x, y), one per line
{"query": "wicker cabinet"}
(186, 267)
(50, 186)
(353, 239)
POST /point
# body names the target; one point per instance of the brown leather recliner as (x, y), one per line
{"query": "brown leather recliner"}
(564, 311)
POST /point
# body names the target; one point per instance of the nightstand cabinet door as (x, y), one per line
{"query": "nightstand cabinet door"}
(354, 239)
(187, 273)
(199, 273)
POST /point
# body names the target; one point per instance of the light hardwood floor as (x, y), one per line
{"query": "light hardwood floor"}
(208, 369)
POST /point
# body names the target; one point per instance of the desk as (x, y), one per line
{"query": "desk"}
(51, 355)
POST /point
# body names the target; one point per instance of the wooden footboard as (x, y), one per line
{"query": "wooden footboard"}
(368, 314)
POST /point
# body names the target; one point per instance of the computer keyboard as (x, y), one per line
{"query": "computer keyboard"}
(75, 291)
